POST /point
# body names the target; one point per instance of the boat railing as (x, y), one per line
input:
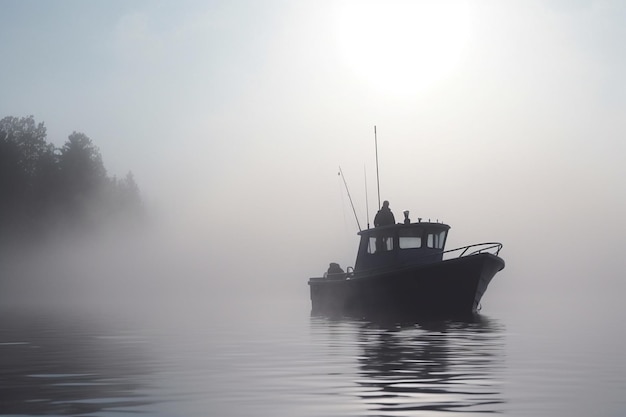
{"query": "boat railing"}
(469, 250)
(464, 251)
(492, 248)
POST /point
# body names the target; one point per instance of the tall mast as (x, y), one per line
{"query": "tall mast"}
(367, 206)
(377, 176)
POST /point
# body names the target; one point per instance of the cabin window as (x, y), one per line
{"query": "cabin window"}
(430, 241)
(436, 240)
(379, 244)
(410, 239)
(442, 239)
(371, 245)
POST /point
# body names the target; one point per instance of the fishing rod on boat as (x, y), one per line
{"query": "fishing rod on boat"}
(349, 197)
(377, 176)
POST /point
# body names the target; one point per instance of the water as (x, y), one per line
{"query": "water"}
(270, 358)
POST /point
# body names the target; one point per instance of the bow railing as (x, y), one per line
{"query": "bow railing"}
(469, 250)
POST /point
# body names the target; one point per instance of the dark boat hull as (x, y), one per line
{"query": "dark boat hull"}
(452, 287)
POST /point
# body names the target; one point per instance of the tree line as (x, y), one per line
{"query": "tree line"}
(44, 187)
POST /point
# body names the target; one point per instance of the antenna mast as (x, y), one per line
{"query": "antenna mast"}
(377, 176)
(349, 197)
(367, 207)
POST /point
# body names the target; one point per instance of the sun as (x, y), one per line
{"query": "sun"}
(402, 47)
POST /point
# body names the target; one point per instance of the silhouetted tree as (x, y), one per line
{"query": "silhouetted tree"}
(81, 167)
(28, 140)
(130, 191)
(25, 158)
(41, 184)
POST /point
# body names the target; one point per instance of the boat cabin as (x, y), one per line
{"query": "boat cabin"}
(400, 245)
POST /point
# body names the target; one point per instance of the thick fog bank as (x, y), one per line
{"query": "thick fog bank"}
(157, 270)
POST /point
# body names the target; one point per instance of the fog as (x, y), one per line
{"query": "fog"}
(235, 116)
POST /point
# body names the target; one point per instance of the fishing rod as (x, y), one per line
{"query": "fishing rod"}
(349, 197)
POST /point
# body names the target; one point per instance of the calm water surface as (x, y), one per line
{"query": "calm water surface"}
(275, 360)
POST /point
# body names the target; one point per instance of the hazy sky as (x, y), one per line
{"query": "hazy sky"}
(504, 119)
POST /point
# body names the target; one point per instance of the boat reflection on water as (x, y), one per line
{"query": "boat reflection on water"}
(60, 365)
(451, 366)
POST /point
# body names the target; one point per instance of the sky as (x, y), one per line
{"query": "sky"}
(502, 119)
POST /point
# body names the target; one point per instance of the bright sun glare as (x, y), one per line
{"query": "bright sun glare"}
(402, 47)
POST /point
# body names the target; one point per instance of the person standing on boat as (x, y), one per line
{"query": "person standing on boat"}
(384, 216)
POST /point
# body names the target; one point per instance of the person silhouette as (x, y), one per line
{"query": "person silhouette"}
(384, 216)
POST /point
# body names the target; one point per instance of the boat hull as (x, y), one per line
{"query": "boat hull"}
(452, 287)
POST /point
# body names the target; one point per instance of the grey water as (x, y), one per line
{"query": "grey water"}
(266, 356)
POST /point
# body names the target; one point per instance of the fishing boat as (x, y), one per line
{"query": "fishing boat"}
(405, 269)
